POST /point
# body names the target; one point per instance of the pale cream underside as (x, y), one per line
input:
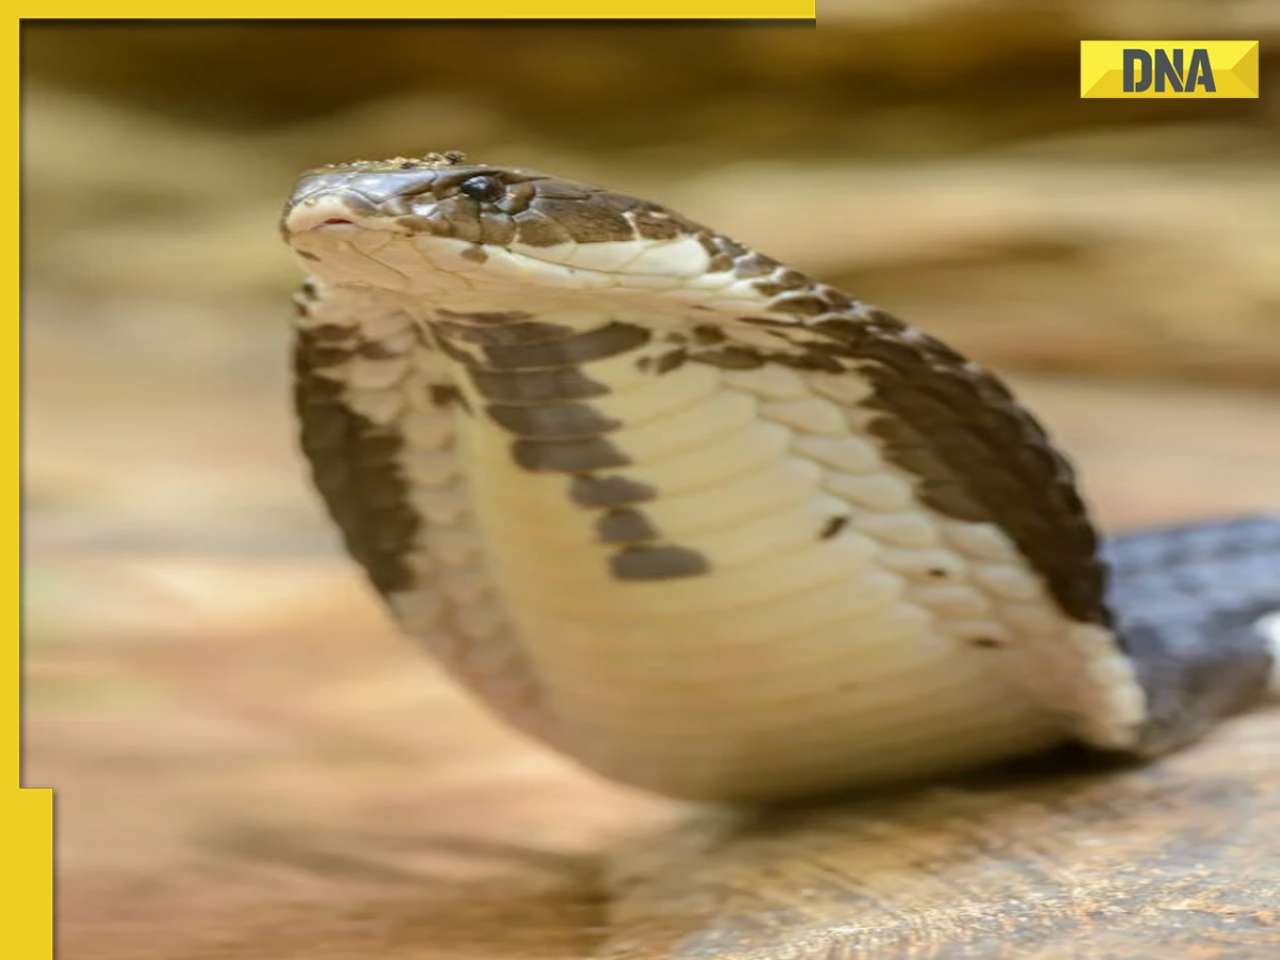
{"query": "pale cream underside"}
(796, 663)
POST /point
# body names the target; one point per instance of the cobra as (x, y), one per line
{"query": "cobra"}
(712, 527)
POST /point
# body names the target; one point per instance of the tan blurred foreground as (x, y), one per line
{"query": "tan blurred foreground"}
(251, 764)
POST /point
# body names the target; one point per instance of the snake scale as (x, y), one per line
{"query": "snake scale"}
(712, 527)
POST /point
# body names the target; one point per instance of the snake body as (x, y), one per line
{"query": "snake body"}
(712, 527)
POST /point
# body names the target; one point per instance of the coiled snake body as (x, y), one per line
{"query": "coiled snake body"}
(715, 528)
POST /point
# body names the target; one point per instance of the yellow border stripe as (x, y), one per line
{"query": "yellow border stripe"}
(500, 10)
(27, 815)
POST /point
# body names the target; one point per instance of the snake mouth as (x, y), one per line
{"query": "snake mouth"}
(326, 211)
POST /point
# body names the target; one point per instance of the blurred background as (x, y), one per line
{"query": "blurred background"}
(237, 736)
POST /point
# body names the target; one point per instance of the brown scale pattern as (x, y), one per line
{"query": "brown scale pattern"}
(979, 455)
(553, 432)
(353, 464)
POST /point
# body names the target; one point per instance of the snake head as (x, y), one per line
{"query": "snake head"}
(443, 225)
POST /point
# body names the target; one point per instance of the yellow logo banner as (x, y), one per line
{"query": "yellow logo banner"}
(1169, 69)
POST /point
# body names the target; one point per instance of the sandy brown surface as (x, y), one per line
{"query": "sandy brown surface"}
(250, 763)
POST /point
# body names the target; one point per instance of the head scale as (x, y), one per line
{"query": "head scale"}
(405, 222)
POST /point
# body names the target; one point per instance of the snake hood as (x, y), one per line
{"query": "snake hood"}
(709, 525)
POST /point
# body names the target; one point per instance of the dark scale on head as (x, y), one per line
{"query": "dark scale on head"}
(483, 189)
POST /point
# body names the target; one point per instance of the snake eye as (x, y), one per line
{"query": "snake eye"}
(483, 189)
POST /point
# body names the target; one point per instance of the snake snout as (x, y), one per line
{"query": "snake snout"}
(317, 212)
(321, 202)
(356, 197)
